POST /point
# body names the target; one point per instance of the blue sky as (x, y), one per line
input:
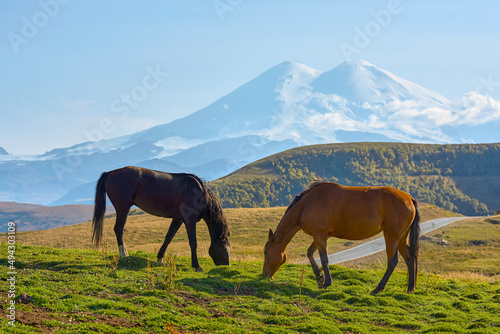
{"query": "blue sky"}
(67, 67)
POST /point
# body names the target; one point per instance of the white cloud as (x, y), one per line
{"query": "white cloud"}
(374, 122)
(477, 109)
(472, 109)
(332, 121)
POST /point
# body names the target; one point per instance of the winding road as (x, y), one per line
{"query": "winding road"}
(378, 245)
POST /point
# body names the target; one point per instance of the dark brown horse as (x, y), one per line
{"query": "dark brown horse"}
(330, 210)
(182, 197)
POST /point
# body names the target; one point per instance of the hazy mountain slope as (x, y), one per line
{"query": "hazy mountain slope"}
(84, 194)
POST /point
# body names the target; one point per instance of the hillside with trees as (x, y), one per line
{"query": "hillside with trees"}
(464, 178)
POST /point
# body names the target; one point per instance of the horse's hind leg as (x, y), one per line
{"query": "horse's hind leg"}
(121, 219)
(320, 278)
(172, 230)
(411, 263)
(392, 261)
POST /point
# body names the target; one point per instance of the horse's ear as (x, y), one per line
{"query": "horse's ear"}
(271, 235)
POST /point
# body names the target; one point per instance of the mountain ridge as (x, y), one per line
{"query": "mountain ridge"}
(289, 105)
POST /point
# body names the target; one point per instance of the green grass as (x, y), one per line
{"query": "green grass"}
(87, 291)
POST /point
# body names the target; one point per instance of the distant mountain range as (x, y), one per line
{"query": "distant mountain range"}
(287, 106)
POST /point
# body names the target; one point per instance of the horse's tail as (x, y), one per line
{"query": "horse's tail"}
(215, 215)
(414, 235)
(99, 210)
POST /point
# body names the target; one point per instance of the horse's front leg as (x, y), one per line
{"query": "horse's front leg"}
(320, 278)
(191, 232)
(172, 230)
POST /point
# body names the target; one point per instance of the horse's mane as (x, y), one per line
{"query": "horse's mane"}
(299, 196)
(216, 220)
(197, 178)
(297, 199)
(216, 217)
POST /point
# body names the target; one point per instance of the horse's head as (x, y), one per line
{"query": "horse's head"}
(219, 252)
(274, 257)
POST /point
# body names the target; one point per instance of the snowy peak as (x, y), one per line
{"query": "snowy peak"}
(293, 79)
(290, 69)
(248, 110)
(361, 81)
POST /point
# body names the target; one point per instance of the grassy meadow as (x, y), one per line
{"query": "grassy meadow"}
(77, 289)
(83, 291)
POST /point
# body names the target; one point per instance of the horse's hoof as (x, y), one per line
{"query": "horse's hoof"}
(320, 279)
(198, 270)
(122, 251)
(160, 260)
(326, 283)
(374, 292)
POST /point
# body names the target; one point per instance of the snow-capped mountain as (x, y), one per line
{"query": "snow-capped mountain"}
(363, 82)
(289, 105)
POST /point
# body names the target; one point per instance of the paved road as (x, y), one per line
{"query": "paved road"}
(378, 245)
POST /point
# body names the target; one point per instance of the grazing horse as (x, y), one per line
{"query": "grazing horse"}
(331, 210)
(182, 197)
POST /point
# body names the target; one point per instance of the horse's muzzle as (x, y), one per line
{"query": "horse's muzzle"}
(266, 274)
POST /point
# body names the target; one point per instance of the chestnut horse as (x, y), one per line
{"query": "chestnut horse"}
(182, 197)
(331, 210)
